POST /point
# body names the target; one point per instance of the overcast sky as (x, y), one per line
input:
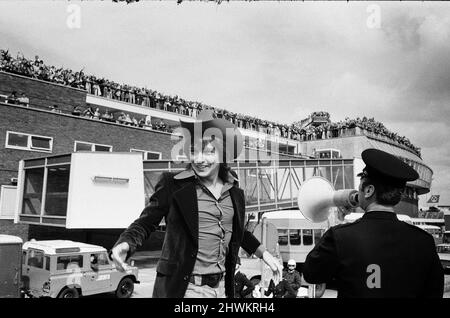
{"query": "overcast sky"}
(274, 60)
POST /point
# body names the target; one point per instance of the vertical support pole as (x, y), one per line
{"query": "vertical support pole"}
(258, 186)
(44, 190)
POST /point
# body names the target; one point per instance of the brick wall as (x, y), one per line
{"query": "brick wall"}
(42, 94)
(66, 129)
(8, 227)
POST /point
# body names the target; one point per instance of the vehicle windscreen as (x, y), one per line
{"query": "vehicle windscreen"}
(36, 259)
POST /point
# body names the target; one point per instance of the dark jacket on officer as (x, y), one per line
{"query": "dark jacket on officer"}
(377, 256)
(176, 200)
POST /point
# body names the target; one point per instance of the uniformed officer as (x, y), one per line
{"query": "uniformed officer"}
(378, 255)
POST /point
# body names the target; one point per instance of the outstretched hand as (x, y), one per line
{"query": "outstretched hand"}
(274, 265)
(119, 255)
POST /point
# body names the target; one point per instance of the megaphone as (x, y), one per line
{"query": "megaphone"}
(317, 197)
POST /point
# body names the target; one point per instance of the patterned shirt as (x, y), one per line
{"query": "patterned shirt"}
(215, 226)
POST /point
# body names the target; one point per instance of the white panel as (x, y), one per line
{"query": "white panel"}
(102, 203)
(8, 196)
(20, 187)
(358, 166)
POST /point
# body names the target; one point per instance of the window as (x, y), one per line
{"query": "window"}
(88, 146)
(36, 259)
(22, 141)
(32, 192)
(47, 263)
(295, 237)
(317, 235)
(68, 262)
(24, 257)
(307, 237)
(443, 249)
(100, 259)
(148, 155)
(57, 190)
(282, 237)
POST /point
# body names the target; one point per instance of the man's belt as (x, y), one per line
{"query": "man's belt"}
(212, 280)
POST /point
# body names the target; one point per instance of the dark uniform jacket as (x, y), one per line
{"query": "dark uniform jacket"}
(240, 282)
(377, 256)
(176, 200)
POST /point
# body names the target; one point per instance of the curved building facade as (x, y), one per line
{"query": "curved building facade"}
(356, 140)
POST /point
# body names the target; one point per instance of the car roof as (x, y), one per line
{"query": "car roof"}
(9, 239)
(63, 246)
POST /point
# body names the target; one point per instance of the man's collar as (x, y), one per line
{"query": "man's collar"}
(189, 173)
(379, 207)
(380, 215)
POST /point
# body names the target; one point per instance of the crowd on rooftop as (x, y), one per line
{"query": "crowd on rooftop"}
(154, 99)
(347, 128)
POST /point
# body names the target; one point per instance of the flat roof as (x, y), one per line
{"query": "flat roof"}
(63, 246)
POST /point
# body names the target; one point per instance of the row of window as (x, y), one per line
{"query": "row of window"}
(36, 259)
(299, 237)
(22, 141)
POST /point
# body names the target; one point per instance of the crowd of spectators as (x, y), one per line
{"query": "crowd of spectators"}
(17, 99)
(122, 118)
(348, 127)
(153, 99)
(130, 94)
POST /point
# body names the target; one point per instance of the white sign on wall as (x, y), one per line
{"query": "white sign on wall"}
(8, 196)
(106, 190)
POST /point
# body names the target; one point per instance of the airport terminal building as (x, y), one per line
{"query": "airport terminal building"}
(42, 138)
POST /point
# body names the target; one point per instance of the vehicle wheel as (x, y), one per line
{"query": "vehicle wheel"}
(69, 293)
(125, 288)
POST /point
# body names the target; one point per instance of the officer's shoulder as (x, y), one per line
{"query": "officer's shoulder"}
(416, 230)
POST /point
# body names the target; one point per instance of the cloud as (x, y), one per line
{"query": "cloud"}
(274, 60)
